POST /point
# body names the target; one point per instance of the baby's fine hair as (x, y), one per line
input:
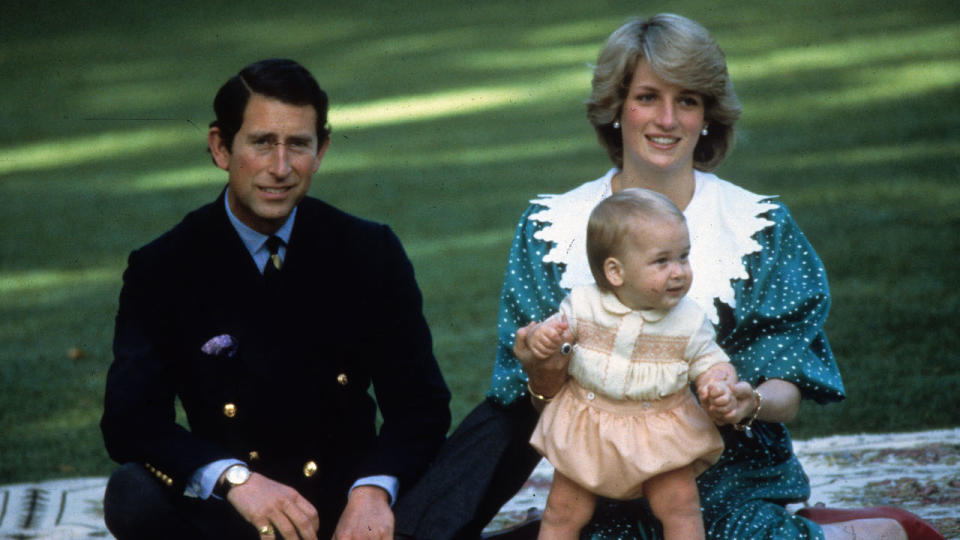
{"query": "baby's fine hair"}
(611, 223)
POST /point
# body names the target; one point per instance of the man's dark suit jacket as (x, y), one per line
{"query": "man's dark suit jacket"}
(294, 389)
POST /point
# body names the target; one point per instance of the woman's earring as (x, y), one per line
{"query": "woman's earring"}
(616, 124)
(704, 131)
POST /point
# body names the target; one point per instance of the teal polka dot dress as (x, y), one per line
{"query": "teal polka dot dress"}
(768, 308)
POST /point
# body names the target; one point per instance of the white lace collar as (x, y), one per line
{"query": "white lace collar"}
(721, 216)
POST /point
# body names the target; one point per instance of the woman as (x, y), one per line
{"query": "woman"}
(664, 109)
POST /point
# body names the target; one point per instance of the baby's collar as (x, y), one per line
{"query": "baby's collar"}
(611, 303)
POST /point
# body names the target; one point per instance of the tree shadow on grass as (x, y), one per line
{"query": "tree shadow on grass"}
(103, 149)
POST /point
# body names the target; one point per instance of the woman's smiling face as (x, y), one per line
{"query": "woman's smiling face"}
(660, 123)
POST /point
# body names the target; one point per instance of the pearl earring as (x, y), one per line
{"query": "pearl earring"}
(616, 124)
(704, 131)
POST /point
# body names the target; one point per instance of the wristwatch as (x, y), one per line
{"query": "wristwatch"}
(235, 475)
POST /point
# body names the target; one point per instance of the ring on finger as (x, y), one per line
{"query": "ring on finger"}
(266, 530)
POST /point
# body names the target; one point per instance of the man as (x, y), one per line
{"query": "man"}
(269, 314)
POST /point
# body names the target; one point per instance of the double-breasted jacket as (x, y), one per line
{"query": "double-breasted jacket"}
(278, 378)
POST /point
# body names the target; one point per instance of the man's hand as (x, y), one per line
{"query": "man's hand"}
(367, 515)
(264, 502)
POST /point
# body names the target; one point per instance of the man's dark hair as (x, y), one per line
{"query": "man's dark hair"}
(276, 78)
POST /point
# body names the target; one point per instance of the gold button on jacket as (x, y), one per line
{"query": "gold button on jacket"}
(229, 410)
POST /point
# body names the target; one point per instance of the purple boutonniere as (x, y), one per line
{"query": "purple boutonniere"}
(224, 345)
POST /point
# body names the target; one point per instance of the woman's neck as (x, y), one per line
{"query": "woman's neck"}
(678, 186)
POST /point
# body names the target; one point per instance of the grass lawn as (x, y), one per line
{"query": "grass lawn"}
(448, 117)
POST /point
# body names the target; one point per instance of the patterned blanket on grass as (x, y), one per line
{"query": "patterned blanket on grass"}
(916, 471)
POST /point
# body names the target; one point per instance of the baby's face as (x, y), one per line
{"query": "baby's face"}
(656, 265)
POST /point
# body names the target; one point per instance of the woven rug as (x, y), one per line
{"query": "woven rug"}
(916, 471)
(919, 472)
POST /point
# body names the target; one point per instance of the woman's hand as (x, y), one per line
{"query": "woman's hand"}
(716, 390)
(781, 402)
(546, 339)
(719, 401)
(546, 375)
(732, 405)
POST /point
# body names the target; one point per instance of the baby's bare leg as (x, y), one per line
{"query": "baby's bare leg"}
(674, 499)
(569, 508)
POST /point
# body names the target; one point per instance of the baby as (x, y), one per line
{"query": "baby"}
(626, 424)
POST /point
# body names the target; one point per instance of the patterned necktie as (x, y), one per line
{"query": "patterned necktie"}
(271, 270)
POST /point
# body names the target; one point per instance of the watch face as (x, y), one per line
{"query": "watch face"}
(238, 474)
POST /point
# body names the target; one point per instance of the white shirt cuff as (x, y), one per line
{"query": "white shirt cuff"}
(204, 479)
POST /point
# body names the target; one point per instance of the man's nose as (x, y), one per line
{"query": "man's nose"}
(280, 161)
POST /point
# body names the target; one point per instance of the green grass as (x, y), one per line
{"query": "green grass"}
(447, 118)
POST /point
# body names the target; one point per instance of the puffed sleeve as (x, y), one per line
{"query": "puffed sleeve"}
(531, 292)
(702, 349)
(776, 328)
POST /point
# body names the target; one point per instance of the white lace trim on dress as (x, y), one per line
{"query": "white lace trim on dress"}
(722, 218)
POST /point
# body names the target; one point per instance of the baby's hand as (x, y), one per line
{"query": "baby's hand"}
(546, 338)
(719, 401)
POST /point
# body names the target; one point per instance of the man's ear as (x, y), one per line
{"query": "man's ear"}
(613, 270)
(321, 151)
(218, 148)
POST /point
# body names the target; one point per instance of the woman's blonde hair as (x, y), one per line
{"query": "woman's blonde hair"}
(680, 52)
(612, 222)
